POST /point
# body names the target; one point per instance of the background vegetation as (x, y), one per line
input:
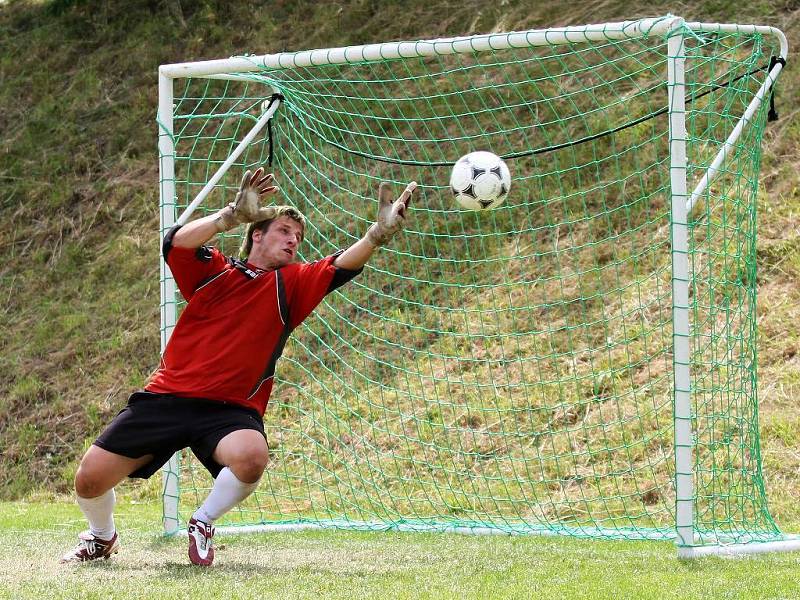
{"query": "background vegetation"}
(78, 199)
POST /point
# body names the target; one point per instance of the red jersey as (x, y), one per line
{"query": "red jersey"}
(236, 323)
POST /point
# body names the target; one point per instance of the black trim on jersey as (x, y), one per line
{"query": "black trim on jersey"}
(283, 304)
(237, 264)
(283, 308)
(166, 245)
(242, 267)
(203, 253)
(341, 276)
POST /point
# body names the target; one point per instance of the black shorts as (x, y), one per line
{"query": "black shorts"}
(160, 424)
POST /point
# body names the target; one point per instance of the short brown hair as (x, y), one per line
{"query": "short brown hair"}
(280, 211)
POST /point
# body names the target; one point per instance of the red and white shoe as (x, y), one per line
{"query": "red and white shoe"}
(91, 547)
(201, 545)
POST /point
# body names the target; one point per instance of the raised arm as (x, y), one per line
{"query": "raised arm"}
(244, 209)
(391, 219)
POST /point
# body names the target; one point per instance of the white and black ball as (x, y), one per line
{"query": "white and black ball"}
(480, 181)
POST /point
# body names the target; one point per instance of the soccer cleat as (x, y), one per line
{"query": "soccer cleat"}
(91, 548)
(201, 545)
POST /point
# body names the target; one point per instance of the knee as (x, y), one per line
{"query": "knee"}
(248, 467)
(88, 483)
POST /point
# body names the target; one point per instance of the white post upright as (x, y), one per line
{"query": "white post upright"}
(166, 150)
(684, 468)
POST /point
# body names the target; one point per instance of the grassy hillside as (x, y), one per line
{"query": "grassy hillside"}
(79, 199)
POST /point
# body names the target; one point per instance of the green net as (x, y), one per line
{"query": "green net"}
(508, 370)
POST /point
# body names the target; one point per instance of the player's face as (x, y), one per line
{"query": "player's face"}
(277, 246)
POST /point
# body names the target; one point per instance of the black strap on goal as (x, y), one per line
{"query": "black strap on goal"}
(272, 99)
(773, 114)
(712, 88)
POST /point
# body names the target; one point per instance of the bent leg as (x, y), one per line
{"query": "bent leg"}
(243, 455)
(245, 452)
(98, 473)
(101, 470)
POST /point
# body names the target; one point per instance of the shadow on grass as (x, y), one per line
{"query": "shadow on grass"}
(177, 570)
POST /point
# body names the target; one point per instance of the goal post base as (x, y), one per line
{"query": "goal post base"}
(790, 544)
(462, 528)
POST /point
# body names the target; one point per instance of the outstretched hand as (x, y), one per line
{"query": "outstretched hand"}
(391, 213)
(246, 206)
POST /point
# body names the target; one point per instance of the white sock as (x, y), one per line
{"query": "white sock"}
(100, 514)
(227, 492)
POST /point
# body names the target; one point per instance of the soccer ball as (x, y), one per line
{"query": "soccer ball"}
(480, 180)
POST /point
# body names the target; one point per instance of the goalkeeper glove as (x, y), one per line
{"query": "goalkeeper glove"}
(391, 214)
(245, 207)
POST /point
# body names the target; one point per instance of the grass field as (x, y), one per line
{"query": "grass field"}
(363, 565)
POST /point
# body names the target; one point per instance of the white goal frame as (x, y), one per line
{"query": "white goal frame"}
(687, 539)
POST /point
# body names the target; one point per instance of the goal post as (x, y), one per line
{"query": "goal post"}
(580, 361)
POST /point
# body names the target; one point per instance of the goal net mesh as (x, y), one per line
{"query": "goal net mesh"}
(507, 370)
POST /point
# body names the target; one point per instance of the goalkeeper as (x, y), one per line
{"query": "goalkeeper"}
(215, 377)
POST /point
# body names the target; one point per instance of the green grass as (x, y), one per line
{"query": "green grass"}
(363, 565)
